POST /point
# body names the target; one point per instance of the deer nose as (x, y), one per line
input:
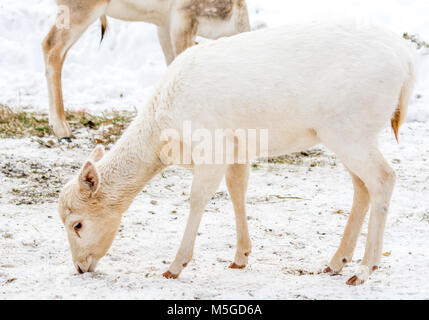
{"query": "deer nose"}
(86, 266)
(80, 268)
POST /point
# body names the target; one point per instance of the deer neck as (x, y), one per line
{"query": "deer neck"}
(131, 164)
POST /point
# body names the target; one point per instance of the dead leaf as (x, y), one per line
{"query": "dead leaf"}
(11, 280)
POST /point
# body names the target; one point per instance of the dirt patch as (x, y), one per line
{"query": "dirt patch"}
(300, 272)
(313, 156)
(33, 181)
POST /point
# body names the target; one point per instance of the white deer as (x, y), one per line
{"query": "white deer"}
(332, 83)
(178, 22)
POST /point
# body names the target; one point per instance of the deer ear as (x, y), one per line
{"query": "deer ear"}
(97, 153)
(89, 179)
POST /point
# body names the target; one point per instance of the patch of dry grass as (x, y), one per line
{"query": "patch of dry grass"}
(21, 124)
(109, 126)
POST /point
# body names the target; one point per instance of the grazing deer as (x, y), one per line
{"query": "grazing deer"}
(178, 21)
(335, 84)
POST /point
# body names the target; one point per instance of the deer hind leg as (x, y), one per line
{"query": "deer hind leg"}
(55, 47)
(379, 178)
(237, 177)
(205, 183)
(347, 247)
(366, 162)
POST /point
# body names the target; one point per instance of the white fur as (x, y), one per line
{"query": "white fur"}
(336, 84)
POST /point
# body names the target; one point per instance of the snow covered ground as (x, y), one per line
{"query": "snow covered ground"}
(296, 212)
(296, 217)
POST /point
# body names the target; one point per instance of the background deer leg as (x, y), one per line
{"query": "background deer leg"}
(237, 177)
(242, 22)
(55, 47)
(183, 31)
(166, 45)
(206, 181)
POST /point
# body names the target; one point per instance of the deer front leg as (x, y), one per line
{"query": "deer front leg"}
(237, 177)
(347, 247)
(206, 181)
(55, 47)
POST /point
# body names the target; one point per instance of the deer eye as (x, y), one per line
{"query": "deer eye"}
(77, 228)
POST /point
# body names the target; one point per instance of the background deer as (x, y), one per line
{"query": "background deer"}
(342, 88)
(178, 21)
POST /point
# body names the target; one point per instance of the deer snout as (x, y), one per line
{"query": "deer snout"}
(86, 266)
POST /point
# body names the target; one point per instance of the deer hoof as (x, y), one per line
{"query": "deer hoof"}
(331, 272)
(236, 266)
(328, 270)
(355, 281)
(169, 275)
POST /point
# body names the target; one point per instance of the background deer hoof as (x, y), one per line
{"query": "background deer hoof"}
(65, 139)
(61, 129)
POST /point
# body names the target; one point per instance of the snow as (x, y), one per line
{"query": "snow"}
(293, 239)
(122, 71)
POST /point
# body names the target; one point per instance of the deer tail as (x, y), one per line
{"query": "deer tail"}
(103, 21)
(400, 114)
